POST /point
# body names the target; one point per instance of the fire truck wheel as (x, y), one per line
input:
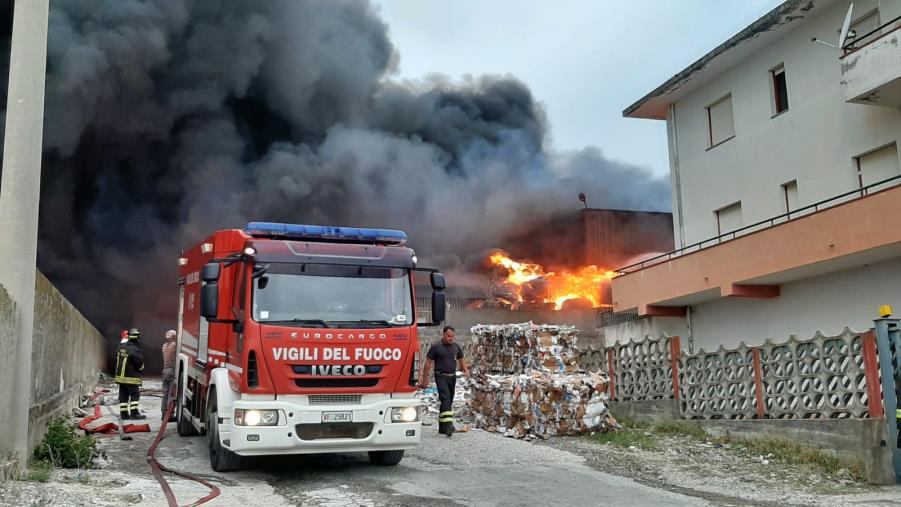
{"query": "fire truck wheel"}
(385, 458)
(184, 426)
(221, 459)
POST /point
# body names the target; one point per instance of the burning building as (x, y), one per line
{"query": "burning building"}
(521, 283)
(569, 260)
(565, 262)
(602, 237)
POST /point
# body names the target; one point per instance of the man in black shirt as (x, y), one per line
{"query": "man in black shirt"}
(444, 356)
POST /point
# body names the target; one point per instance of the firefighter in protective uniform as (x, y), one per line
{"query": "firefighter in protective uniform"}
(129, 365)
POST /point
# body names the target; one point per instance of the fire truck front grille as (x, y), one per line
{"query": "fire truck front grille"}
(335, 383)
(335, 399)
(334, 430)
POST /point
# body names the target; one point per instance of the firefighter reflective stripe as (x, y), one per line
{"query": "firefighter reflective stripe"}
(121, 362)
(133, 405)
(898, 413)
(447, 416)
(123, 407)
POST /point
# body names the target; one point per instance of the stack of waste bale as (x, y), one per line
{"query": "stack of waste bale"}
(527, 383)
(520, 348)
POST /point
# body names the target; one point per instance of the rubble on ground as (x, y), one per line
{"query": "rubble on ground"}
(527, 383)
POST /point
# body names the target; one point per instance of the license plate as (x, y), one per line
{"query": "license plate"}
(337, 417)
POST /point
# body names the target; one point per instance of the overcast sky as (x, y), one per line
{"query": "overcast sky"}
(585, 60)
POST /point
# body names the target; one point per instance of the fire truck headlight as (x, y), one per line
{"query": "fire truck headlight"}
(256, 417)
(269, 418)
(404, 414)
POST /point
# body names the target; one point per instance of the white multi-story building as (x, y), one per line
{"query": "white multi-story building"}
(777, 147)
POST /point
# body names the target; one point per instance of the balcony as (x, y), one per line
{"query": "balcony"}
(871, 67)
(849, 230)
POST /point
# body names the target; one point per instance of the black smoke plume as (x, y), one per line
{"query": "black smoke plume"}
(169, 119)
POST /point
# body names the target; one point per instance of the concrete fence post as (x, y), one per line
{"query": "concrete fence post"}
(611, 372)
(758, 383)
(19, 196)
(675, 357)
(871, 372)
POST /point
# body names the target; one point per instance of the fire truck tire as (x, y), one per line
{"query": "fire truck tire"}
(184, 426)
(221, 459)
(385, 458)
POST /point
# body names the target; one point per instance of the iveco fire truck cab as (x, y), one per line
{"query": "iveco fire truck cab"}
(301, 339)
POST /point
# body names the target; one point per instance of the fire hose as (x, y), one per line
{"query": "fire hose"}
(157, 468)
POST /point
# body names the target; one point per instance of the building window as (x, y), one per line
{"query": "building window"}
(780, 91)
(790, 193)
(719, 121)
(876, 166)
(728, 219)
(864, 24)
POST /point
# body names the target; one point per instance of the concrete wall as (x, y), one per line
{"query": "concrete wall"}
(814, 142)
(645, 327)
(67, 356)
(825, 303)
(854, 441)
(654, 411)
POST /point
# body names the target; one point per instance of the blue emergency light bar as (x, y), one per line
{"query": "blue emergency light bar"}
(325, 233)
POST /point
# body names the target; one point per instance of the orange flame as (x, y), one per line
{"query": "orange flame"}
(561, 287)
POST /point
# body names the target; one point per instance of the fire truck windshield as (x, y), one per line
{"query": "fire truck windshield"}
(317, 295)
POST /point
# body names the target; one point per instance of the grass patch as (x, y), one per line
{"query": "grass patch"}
(37, 471)
(792, 452)
(628, 437)
(683, 428)
(63, 447)
(628, 422)
(644, 435)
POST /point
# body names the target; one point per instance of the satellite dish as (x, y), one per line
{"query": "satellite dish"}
(845, 27)
(843, 34)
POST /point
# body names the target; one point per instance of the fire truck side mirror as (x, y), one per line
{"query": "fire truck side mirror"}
(438, 307)
(438, 282)
(209, 300)
(209, 293)
(210, 272)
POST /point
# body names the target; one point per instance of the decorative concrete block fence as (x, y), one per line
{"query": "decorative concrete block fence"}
(824, 377)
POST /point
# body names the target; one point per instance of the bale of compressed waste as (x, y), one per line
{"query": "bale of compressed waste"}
(541, 404)
(519, 348)
(527, 383)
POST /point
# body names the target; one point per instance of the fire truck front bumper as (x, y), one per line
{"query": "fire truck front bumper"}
(383, 423)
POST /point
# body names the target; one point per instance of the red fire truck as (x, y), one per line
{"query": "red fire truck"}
(297, 339)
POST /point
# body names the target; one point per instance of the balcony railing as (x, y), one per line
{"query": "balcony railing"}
(764, 224)
(608, 318)
(861, 41)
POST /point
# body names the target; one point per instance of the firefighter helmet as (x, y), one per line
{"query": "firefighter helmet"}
(134, 333)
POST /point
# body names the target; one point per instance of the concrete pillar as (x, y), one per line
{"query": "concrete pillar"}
(19, 194)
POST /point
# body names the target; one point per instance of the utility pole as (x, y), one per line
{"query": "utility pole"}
(20, 187)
